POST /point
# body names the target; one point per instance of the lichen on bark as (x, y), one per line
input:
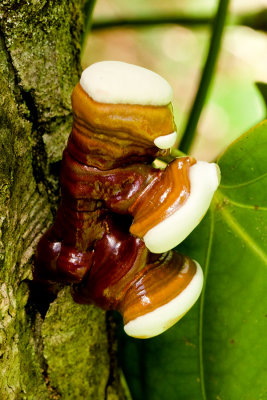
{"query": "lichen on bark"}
(24, 213)
(66, 346)
(39, 66)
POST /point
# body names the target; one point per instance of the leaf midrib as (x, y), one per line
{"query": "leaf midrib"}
(236, 227)
(238, 185)
(201, 311)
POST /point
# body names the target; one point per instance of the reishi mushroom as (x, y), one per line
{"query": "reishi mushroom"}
(119, 218)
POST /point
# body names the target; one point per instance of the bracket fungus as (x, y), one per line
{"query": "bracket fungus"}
(119, 218)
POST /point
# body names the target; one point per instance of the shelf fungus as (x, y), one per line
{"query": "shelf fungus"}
(119, 217)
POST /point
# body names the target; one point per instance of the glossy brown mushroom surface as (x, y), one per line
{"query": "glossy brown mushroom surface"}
(111, 196)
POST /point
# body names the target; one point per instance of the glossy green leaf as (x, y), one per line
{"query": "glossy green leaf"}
(218, 351)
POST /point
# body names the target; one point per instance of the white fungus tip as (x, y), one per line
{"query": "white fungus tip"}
(167, 141)
(159, 320)
(118, 82)
(204, 180)
(159, 164)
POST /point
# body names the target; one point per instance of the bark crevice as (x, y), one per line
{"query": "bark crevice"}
(58, 351)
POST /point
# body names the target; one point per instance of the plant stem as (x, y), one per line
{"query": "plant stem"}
(207, 74)
(88, 11)
(142, 21)
(255, 20)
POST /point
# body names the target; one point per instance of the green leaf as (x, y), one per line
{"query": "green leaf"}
(218, 351)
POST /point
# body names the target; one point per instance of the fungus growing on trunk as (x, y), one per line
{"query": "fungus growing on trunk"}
(119, 218)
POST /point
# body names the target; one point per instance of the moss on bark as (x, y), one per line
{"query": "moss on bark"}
(75, 344)
(66, 353)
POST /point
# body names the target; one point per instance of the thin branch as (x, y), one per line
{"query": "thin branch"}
(142, 21)
(256, 20)
(88, 11)
(207, 75)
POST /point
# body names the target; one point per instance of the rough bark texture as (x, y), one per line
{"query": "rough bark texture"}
(68, 351)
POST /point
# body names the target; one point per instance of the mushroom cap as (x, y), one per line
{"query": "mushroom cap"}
(204, 180)
(155, 322)
(118, 82)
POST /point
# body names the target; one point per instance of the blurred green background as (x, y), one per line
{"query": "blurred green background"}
(234, 105)
(178, 52)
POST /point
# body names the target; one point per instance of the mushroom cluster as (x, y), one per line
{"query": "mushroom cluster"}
(120, 217)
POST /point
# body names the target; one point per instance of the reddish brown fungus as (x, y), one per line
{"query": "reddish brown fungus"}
(111, 196)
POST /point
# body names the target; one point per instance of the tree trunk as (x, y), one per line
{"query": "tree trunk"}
(65, 350)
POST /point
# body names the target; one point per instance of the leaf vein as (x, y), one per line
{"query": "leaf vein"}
(201, 312)
(243, 183)
(235, 226)
(243, 205)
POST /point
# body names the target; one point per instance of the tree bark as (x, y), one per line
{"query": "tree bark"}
(65, 350)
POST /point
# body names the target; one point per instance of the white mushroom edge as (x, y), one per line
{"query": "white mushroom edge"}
(118, 82)
(204, 180)
(167, 141)
(159, 320)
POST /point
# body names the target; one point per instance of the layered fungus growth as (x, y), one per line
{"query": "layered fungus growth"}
(119, 217)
